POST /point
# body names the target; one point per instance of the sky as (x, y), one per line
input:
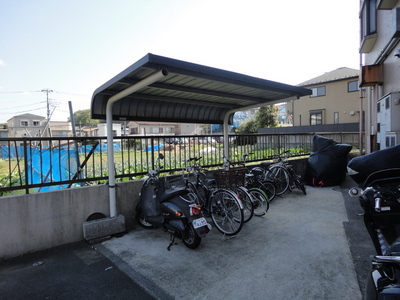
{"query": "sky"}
(73, 47)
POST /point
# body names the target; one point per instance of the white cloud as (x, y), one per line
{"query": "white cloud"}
(2, 64)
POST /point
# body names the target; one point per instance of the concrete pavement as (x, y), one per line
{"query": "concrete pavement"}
(299, 250)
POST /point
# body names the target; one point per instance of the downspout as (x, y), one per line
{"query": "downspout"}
(229, 112)
(110, 149)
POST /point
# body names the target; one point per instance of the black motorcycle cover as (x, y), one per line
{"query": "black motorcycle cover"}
(327, 163)
(359, 168)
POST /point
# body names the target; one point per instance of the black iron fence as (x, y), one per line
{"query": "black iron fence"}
(30, 165)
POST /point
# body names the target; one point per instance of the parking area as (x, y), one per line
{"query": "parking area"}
(305, 247)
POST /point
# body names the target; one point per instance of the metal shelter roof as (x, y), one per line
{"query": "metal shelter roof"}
(188, 93)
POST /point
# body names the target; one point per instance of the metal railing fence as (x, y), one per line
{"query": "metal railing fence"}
(32, 164)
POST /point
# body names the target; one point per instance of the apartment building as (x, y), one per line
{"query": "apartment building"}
(380, 72)
(334, 99)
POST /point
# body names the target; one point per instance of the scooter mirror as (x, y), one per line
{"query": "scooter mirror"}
(161, 156)
(355, 192)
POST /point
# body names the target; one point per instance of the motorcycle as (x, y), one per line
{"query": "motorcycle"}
(379, 197)
(174, 210)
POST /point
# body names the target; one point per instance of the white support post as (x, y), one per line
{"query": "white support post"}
(110, 147)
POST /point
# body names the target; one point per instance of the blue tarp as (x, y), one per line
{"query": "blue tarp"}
(155, 148)
(12, 152)
(18, 151)
(45, 165)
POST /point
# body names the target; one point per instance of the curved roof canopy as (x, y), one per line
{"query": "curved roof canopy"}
(188, 93)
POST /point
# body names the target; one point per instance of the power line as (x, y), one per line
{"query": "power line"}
(20, 92)
(12, 108)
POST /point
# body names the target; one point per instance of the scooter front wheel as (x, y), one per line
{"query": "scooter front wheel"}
(191, 240)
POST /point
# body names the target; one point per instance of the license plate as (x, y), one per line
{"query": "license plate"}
(197, 223)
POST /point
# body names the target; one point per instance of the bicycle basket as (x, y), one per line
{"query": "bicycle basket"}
(228, 179)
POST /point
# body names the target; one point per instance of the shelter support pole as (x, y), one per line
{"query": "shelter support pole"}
(110, 148)
(226, 136)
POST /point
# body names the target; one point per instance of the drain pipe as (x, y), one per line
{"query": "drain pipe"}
(110, 148)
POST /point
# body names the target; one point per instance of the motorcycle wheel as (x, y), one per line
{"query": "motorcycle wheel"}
(191, 240)
(142, 221)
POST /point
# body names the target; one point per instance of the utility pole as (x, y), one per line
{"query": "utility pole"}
(47, 91)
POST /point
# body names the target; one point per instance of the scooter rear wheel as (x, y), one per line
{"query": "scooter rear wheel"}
(192, 240)
(142, 221)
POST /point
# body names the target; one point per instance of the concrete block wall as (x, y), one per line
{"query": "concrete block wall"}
(33, 222)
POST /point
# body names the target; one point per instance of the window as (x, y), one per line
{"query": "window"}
(316, 117)
(368, 18)
(154, 130)
(336, 118)
(387, 103)
(134, 130)
(352, 86)
(318, 91)
(35, 123)
(24, 123)
(169, 130)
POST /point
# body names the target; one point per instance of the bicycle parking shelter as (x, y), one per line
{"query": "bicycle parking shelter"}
(161, 89)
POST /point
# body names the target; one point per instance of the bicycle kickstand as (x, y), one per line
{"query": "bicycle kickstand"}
(226, 238)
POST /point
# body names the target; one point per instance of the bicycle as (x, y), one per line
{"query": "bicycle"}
(255, 179)
(284, 176)
(234, 180)
(222, 205)
(251, 186)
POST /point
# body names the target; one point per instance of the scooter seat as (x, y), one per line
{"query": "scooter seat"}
(173, 193)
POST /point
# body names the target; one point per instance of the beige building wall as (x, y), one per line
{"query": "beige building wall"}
(381, 52)
(337, 99)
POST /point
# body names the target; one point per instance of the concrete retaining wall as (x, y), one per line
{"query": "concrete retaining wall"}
(33, 222)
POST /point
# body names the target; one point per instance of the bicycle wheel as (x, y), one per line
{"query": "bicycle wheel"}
(268, 187)
(260, 201)
(247, 201)
(280, 177)
(226, 212)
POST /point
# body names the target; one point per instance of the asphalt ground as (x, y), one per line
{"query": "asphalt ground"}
(305, 247)
(75, 271)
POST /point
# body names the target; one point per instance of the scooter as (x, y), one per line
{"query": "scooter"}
(174, 210)
(379, 197)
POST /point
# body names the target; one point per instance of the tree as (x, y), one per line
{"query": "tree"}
(83, 117)
(267, 116)
(247, 127)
